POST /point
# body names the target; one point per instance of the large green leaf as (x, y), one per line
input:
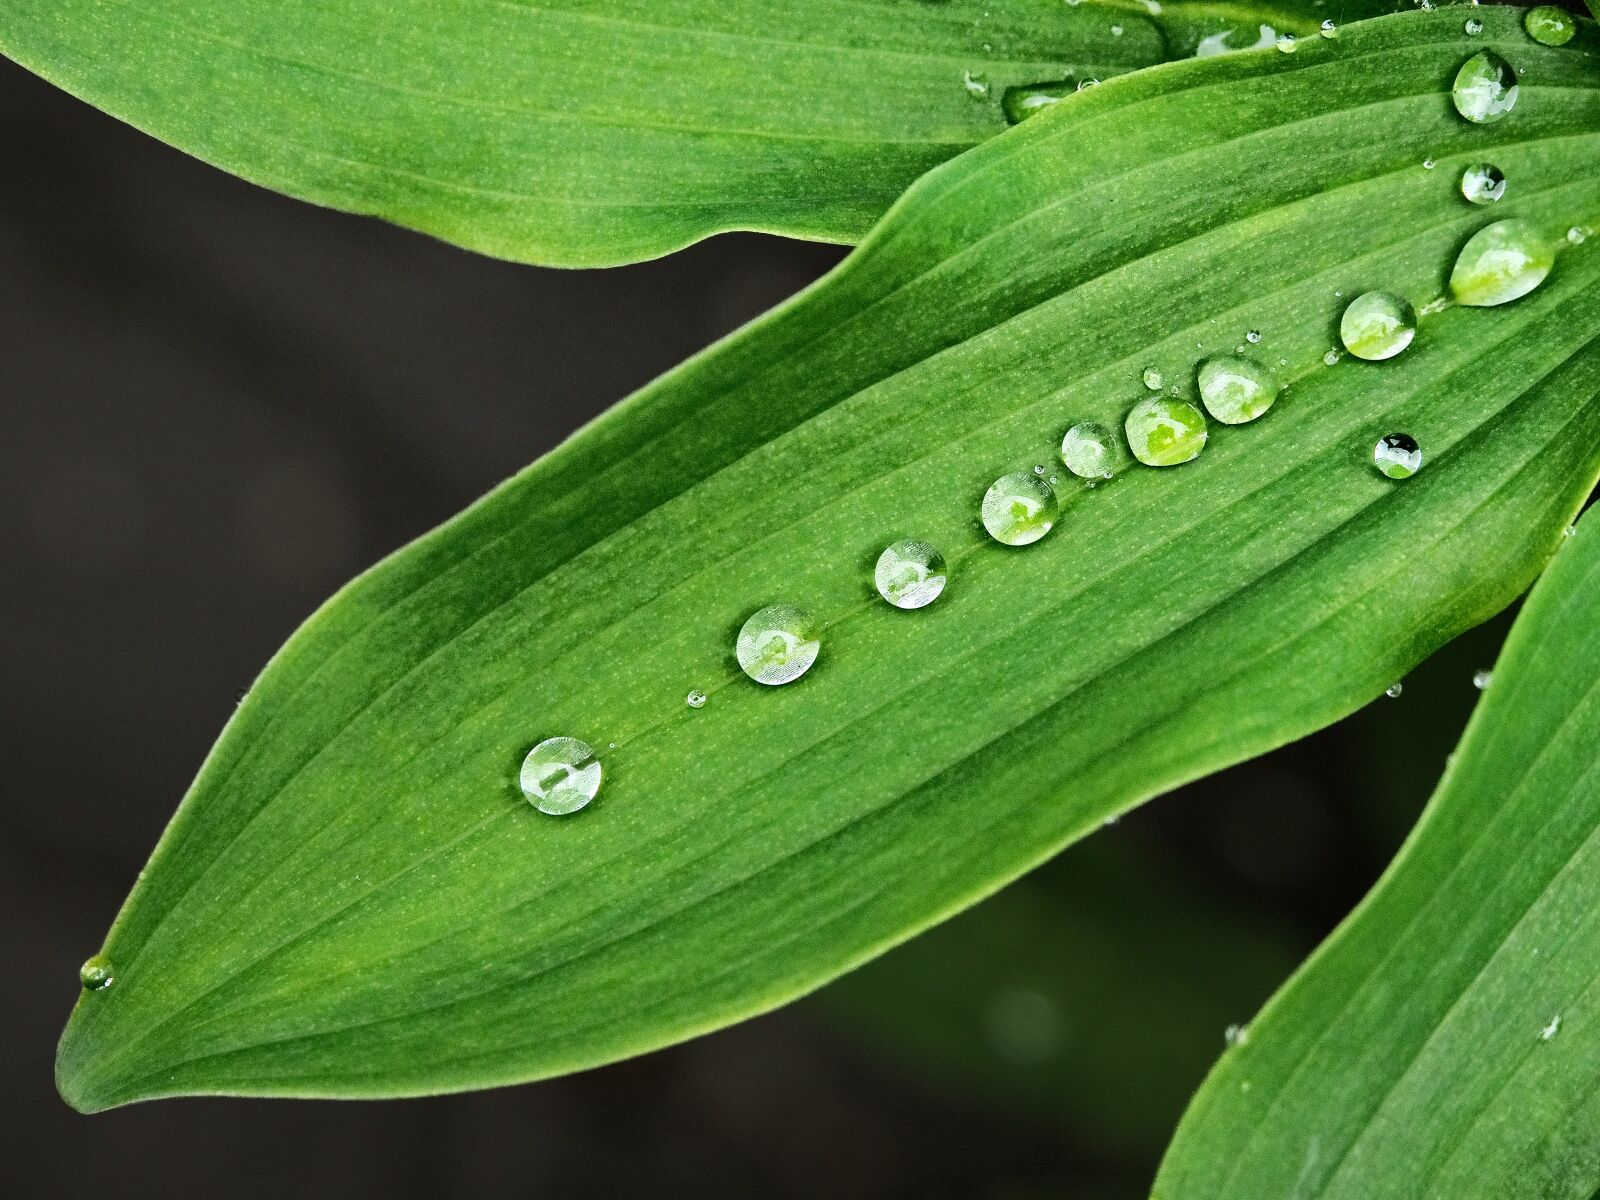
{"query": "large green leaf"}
(1446, 1041)
(586, 132)
(355, 900)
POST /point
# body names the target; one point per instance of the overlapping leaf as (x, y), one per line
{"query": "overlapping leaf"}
(586, 132)
(1446, 1041)
(354, 899)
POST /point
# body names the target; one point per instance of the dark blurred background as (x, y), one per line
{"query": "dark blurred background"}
(216, 405)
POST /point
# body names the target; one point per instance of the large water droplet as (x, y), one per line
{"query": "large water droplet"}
(1286, 43)
(1377, 325)
(1485, 89)
(560, 775)
(1019, 509)
(1499, 263)
(778, 644)
(1235, 389)
(96, 974)
(1165, 432)
(910, 574)
(1020, 103)
(1091, 451)
(1550, 26)
(1483, 183)
(1397, 455)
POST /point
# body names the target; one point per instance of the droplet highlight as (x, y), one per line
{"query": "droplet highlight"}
(96, 974)
(1020, 103)
(1091, 451)
(1377, 325)
(1019, 509)
(910, 574)
(560, 775)
(1483, 183)
(1550, 26)
(1501, 263)
(1165, 431)
(777, 644)
(1236, 389)
(1485, 89)
(1552, 1027)
(1397, 455)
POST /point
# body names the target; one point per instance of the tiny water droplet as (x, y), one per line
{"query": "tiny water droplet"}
(1038, 469)
(1485, 89)
(1019, 509)
(777, 644)
(1328, 29)
(1331, 358)
(1473, 27)
(1482, 679)
(1393, 691)
(96, 974)
(1085, 84)
(1483, 183)
(1236, 1035)
(1091, 451)
(1163, 432)
(977, 85)
(1500, 263)
(1577, 235)
(1549, 25)
(1569, 531)
(1286, 43)
(1551, 1028)
(1116, 31)
(695, 699)
(910, 574)
(1425, 5)
(1020, 103)
(1235, 389)
(1377, 325)
(1397, 455)
(1153, 380)
(560, 775)
(1253, 337)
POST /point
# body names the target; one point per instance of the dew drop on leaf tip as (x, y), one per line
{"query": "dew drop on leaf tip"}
(1397, 455)
(560, 775)
(1377, 325)
(778, 644)
(96, 974)
(910, 574)
(1019, 509)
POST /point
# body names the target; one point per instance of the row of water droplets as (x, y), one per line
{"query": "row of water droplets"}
(778, 644)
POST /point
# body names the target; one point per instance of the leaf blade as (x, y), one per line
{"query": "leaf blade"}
(358, 822)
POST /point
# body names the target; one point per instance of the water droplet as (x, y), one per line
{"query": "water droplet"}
(1020, 103)
(1116, 31)
(1331, 358)
(695, 699)
(1286, 43)
(1153, 380)
(1482, 679)
(1485, 89)
(1569, 531)
(1377, 325)
(778, 644)
(977, 85)
(1550, 26)
(1253, 337)
(96, 975)
(1552, 1028)
(1397, 455)
(1165, 432)
(1091, 451)
(1236, 1035)
(560, 775)
(1473, 27)
(1328, 29)
(1483, 183)
(1019, 509)
(1577, 235)
(1393, 690)
(1085, 84)
(1235, 390)
(1499, 263)
(1425, 5)
(910, 574)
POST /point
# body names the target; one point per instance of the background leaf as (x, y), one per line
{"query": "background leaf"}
(355, 900)
(1446, 1041)
(587, 132)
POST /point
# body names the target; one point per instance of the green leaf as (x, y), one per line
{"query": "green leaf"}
(354, 899)
(1445, 1042)
(588, 132)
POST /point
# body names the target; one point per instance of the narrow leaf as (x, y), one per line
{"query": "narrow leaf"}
(587, 132)
(1445, 1042)
(356, 900)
